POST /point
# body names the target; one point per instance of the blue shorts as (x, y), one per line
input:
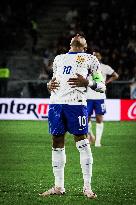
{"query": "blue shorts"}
(71, 118)
(96, 105)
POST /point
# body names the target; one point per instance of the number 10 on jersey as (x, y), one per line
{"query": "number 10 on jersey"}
(67, 69)
(82, 120)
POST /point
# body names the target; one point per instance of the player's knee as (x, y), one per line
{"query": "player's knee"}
(78, 138)
(58, 141)
(99, 118)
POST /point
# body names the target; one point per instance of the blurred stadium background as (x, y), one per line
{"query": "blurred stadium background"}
(32, 33)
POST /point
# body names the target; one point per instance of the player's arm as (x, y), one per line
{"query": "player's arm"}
(113, 76)
(80, 81)
(97, 85)
(96, 82)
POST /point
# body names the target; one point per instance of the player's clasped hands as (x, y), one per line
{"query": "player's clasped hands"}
(79, 81)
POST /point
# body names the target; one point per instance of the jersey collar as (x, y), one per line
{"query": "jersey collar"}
(75, 52)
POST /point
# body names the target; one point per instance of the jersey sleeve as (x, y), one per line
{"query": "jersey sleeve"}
(109, 70)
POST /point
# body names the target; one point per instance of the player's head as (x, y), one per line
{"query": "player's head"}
(78, 42)
(98, 55)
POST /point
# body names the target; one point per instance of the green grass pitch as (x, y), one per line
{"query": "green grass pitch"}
(25, 166)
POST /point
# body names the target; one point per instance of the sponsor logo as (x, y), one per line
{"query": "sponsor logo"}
(128, 109)
(132, 111)
(38, 110)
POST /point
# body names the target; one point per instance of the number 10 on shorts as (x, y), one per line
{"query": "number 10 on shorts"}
(82, 120)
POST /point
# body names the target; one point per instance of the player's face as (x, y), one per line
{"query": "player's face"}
(80, 39)
(77, 38)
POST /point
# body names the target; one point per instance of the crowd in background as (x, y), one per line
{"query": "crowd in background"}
(109, 26)
(17, 18)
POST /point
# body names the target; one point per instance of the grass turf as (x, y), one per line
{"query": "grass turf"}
(25, 166)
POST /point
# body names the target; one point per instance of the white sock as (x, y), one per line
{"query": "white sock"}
(99, 132)
(90, 128)
(86, 161)
(58, 164)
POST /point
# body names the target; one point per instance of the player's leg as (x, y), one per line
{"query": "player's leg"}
(90, 107)
(86, 162)
(57, 130)
(77, 118)
(90, 135)
(58, 160)
(99, 130)
(100, 110)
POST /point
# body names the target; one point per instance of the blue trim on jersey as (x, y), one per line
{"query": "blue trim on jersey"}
(71, 52)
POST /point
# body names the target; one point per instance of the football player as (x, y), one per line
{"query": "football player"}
(68, 111)
(96, 101)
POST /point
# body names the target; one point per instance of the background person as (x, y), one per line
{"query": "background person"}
(96, 102)
(4, 78)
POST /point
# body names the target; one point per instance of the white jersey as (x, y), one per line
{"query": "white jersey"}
(92, 94)
(66, 66)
